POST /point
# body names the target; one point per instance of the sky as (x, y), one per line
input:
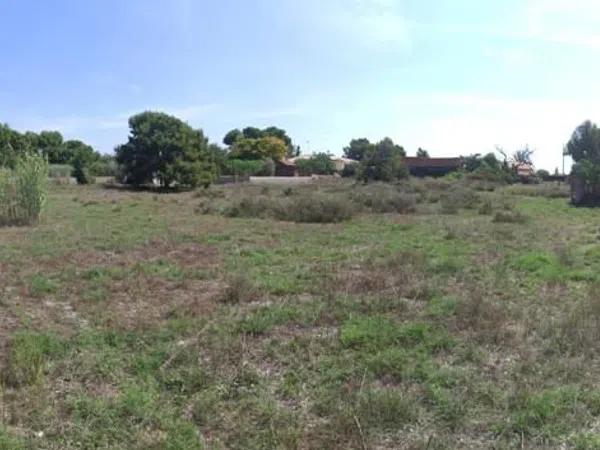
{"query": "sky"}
(455, 77)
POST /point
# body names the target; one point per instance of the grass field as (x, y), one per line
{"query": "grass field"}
(218, 319)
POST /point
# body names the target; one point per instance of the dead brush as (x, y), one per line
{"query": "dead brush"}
(578, 331)
(485, 320)
(400, 275)
(238, 289)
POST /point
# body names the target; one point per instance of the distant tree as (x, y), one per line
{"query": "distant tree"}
(383, 162)
(422, 153)
(472, 162)
(278, 133)
(81, 157)
(231, 137)
(219, 155)
(50, 144)
(13, 146)
(357, 149)
(103, 166)
(165, 148)
(318, 164)
(542, 174)
(491, 161)
(350, 170)
(584, 148)
(256, 133)
(261, 148)
(252, 133)
(522, 156)
(243, 167)
(585, 143)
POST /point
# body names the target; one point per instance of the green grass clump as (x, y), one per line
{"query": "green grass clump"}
(386, 409)
(586, 441)
(266, 318)
(41, 285)
(10, 442)
(29, 353)
(541, 264)
(379, 332)
(551, 413)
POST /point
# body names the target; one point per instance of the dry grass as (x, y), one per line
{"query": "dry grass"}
(129, 320)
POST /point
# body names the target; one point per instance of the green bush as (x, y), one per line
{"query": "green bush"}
(309, 208)
(83, 175)
(59, 171)
(459, 197)
(248, 207)
(316, 208)
(23, 191)
(384, 198)
(319, 164)
(105, 167)
(350, 170)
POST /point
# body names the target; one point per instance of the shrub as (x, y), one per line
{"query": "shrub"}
(23, 191)
(309, 208)
(27, 358)
(83, 175)
(105, 167)
(59, 171)
(486, 208)
(243, 167)
(457, 198)
(316, 208)
(247, 207)
(510, 217)
(381, 198)
(350, 170)
(239, 289)
(548, 190)
(386, 409)
(319, 164)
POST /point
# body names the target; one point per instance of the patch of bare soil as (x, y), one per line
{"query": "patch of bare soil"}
(144, 299)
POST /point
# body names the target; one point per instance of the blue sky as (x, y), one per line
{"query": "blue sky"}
(454, 77)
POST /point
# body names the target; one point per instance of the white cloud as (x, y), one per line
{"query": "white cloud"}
(371, 23)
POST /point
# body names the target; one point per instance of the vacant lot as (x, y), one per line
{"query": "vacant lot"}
(427, 315)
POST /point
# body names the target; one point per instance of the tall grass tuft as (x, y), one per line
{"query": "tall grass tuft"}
(23, 191)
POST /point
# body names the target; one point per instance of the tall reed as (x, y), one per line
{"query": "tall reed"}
(23, 191)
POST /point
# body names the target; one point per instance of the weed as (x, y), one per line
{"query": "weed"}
(10, 442)
(386, 409)
(27, 358)
(510, 217)
(41, 285)
(238, 289)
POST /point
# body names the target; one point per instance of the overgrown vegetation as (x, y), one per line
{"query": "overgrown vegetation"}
(23, 191)
(424, 313)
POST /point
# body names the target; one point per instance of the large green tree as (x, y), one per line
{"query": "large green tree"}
(585, 143)
(164, 148)
(357, 149)
(261, 148)
(253, 133)
(584, 148)
(51, 145)
(382, 162)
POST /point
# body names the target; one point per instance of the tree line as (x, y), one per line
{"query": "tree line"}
(166, 150)
(83, 160)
